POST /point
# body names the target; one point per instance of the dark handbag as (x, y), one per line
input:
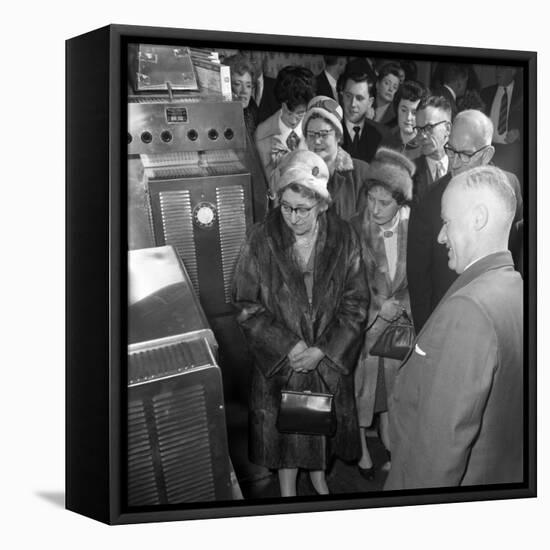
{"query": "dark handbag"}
(305, 412)
(396, 339)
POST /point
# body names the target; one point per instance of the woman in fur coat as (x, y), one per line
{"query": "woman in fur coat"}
(302, 297)
(382, 227)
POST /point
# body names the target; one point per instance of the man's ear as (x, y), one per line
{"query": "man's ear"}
(487, 155)
(481, 216)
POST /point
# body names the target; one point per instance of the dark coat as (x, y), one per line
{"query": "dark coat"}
(275, 314)
(428, 272)
(347, 185)
(393, 140)
(382, 288)
(372, 135)
(456, 415)
(322, 86)
(422, 180)
(268, 102)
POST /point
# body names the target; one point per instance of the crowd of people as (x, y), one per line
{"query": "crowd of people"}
(389, 201)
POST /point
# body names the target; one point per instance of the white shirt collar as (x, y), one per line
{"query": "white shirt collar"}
(284, 130)
(432, 164)
(450, 90)
(350, 125)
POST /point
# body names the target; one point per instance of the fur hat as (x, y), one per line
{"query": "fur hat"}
(394, 170)
(306, 168)
(326, 107)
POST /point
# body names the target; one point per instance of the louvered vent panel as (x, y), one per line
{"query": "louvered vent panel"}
(232, 226)
(177, 225)
(142, 484)
(184, 444)
(167, 360)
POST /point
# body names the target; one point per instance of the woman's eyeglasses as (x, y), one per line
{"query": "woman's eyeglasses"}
(323, 134)
(300, 211)
(463, 156)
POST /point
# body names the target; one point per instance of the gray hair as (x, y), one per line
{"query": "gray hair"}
(496, 182)
(478, 124)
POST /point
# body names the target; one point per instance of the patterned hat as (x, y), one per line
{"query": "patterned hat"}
(393, 170)
(326, 107)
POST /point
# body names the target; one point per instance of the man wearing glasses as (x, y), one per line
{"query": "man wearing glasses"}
(433, 125)
(428, 274)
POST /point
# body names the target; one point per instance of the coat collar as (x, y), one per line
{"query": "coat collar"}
(281, 240)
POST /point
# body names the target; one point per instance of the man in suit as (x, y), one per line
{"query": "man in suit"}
(433, 126)
(327, 80)
(428, 273)
(456, 413)
(504, 106)
(455, 80)
(362, 136)
(264, 86)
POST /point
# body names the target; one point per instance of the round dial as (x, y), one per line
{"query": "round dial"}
(204, 214)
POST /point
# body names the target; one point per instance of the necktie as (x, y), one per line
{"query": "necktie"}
(292, 140)
(439, 170)
(355, 142)
(503, 113)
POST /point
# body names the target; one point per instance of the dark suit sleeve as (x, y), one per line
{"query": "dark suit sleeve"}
(451, 402)
(419, 264)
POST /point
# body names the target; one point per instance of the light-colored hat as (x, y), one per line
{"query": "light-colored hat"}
(306, 168)
(394, 170)
(326, 107)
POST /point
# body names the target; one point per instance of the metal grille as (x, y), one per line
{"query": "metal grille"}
(177, 223)
(232, 227)
(142, 484)
(167, 360)
(184, 444)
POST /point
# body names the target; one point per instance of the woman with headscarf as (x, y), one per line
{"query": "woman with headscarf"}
(302, 296)
(382, 227)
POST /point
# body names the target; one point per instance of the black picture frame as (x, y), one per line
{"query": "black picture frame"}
(96, 221)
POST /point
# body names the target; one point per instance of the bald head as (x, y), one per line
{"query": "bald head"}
(477, 210)
(470, 141)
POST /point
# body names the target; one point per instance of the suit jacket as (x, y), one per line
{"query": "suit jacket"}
(422, 180)
(265, 132)
(443, 91)
(371, 137)
(428, 271)
(323, 87)
(456, 414)
(268, 102)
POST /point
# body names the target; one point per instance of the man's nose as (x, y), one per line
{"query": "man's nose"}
(442, 237)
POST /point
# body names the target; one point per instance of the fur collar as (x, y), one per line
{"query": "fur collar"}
(343, 162)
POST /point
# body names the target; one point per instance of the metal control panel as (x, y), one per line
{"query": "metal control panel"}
(156, 128)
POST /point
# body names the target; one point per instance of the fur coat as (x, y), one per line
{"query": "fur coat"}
(382, 288)
(275, 314)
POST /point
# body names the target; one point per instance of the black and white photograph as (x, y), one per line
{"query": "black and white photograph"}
(326, 263)
(275, 275)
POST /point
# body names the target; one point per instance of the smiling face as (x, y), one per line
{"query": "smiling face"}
(357, 100)
(321, 138)
(406, 116)
(457, 232)
(241, 86)
(386, 88)
(300, 223)
(382, 206)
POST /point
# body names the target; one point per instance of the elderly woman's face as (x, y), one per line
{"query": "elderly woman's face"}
(241, 86)
(406, 115)
(322, 139)
(299, 212)
(382, 206)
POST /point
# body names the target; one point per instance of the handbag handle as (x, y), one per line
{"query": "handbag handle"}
(318, 372)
